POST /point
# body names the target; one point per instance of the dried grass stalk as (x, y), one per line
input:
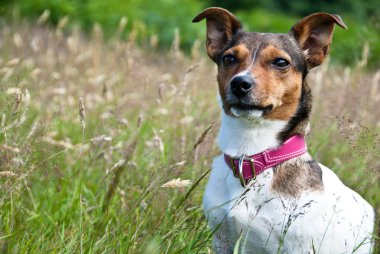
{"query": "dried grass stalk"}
(203, 136)
(10, 148)
(7, 174)
(176, 183)
(117, 169)
(82, 113)
(44, 17)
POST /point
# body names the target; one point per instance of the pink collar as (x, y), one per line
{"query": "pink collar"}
(247, 168)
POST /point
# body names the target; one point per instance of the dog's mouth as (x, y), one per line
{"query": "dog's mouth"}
(249, 110)
(245, 106)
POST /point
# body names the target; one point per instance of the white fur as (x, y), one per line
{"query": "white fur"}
(238, 136)
(242, 73)
(335, 220)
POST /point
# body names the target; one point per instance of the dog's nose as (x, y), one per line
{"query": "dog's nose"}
(241, 85)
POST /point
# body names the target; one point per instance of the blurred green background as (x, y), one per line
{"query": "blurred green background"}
(149, 18)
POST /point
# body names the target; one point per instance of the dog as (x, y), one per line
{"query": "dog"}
(265, 193)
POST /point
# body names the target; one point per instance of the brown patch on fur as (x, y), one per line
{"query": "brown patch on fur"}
(241, 52)
(299, 123)
(295, 176)
(280, 88)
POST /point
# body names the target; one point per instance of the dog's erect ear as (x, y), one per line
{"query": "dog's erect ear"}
(314, 34)
(221, 27)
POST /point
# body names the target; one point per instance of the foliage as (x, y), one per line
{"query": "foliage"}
(95, 188)
(146, 17)
(363, 11)
(149, 21)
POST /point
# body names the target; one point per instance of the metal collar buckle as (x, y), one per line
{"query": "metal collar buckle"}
(238, 173)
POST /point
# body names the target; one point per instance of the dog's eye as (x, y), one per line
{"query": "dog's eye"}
(229, 59)
(281, 63)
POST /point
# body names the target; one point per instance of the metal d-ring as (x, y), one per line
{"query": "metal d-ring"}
(241, 176)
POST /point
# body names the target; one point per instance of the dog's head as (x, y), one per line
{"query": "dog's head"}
(261, 75)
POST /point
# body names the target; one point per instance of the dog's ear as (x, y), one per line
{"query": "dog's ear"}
(314, 34)
(221, 27)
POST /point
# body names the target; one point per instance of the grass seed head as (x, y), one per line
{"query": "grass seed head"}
(7, 174)
(82, 113)
(176, 183)
(203, 136)
(44, 17)
(122, 24)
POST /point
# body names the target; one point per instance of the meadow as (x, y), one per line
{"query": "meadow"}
(91, 130)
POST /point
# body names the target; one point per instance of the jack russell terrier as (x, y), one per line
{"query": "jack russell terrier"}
(266, 194)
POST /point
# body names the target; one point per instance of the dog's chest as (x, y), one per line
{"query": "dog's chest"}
(271, 223)
(255, 213)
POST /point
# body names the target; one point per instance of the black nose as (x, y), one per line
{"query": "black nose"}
(241, 85)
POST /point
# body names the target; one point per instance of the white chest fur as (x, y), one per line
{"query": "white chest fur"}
(238, 137)
(335, 220)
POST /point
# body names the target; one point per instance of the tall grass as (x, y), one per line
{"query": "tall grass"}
(149, 119)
